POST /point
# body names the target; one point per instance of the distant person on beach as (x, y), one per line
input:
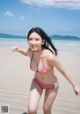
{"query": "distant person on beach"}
(43, 60)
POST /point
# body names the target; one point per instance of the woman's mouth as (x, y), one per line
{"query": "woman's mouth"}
(34, 47)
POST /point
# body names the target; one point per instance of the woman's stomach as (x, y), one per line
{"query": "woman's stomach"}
(48, 78)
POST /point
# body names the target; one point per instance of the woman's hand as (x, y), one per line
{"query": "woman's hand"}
(15, 49)
(21, 51)
(76, 90)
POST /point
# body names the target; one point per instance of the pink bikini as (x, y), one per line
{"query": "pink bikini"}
(44, 70)
(46, 86)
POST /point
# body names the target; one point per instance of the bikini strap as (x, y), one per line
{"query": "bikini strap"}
(43, 63)
(31, 60)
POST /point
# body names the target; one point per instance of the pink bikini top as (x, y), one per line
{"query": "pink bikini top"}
(44, 69)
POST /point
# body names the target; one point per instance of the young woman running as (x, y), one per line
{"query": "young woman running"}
(43, 60)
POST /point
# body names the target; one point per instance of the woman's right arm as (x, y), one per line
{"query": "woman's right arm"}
(21, 51)
(56, 63)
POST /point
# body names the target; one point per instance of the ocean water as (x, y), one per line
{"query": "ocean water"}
(9, 42)
(68, 45)
(61, 45)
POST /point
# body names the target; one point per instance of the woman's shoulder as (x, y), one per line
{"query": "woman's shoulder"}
(48, 54)
(50, 57)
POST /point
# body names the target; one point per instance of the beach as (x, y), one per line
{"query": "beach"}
(16, 77)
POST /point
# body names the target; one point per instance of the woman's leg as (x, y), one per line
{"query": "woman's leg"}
(34, 97)
(50, 96)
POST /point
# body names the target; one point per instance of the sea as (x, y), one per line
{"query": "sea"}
(62, 45)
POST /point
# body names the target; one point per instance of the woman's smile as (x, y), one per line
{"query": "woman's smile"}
(33, 47)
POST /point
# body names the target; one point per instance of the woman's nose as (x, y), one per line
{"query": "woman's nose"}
(33, 42)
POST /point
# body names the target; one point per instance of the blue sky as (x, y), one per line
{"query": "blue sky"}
(60, 17)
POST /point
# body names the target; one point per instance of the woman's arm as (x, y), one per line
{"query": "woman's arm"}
(56, 63)
(21, 51)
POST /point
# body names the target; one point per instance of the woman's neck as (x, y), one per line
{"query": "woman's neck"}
(38, 53)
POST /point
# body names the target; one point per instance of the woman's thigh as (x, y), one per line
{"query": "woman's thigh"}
(34, 96)
(50, 96)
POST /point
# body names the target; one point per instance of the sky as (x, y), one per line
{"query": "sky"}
(61, 17)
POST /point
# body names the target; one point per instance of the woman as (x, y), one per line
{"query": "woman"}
(43, 59)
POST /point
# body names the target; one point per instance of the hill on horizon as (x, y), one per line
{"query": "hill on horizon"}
(4, 35)
(64, 37)
(54, 37)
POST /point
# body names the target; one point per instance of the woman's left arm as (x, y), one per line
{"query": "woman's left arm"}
(56, 63)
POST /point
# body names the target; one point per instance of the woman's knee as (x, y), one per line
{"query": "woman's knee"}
(46, 109)
(32, 111)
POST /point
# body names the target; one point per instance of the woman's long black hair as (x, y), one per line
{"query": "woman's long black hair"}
(45, 37)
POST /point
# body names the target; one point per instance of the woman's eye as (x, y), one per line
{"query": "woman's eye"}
(30, 38)
(36, 39)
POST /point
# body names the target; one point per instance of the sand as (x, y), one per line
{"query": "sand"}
(16, 77)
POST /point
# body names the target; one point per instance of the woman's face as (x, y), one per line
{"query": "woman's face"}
(35, 41)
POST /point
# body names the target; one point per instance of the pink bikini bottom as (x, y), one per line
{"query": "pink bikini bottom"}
(46, 86)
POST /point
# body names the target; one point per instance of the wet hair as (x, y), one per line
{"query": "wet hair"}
(48, 43)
